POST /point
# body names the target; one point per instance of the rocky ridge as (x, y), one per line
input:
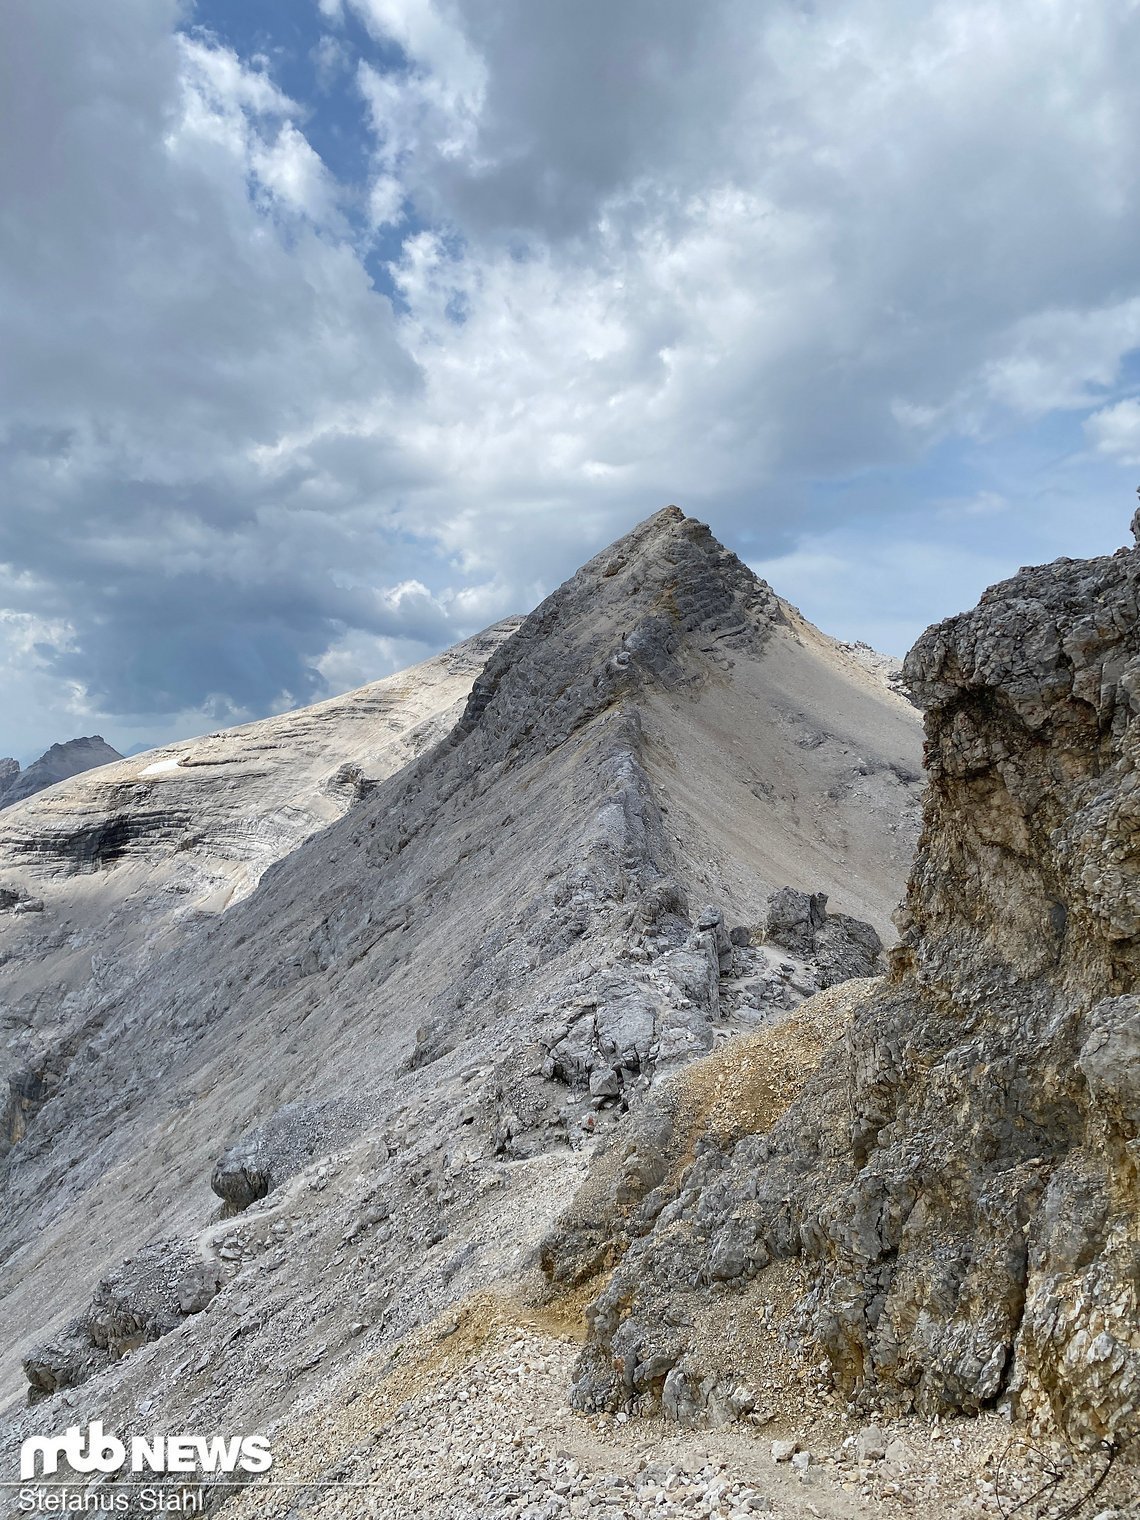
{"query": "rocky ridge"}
(467, 981)
(102, 876)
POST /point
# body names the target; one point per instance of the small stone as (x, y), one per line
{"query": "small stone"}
(871, 1444)
(784, 1451)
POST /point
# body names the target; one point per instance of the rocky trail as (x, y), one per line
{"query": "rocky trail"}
(473, 1422)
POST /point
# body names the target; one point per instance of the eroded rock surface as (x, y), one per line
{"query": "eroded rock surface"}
(959, 1181)
(143, 1298)
(104, 874)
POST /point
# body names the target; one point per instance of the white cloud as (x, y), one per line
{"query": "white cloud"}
(797, 286)
(385, 201)
(332, 59)
(27, 643)
(434, 42)
(1064, 359)
(226, 83)
(294, 173)
(27, 638)
(1115, 431)
(357, 658)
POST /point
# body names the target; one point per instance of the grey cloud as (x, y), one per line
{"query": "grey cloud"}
(140, 290)
(158, 331)
(584, 102)
(951, 169)
(170, 643)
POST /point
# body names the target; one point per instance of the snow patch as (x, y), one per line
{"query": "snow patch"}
(160, 767)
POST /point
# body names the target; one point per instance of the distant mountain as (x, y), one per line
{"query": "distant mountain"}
(56, 764)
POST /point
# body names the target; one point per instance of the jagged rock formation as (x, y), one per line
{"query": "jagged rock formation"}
(145, 1297)
(959, 1183)
(393, 1058)
(277, 1150)
(59, 763)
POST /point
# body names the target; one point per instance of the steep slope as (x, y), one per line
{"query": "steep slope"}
(955, 1195)
(58, 763)
(820, 794)
(101, 874)
(393, 1058)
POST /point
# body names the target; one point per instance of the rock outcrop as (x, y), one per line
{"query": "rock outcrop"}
(276, 1151)
(143, 1298)
(958, 1188)
(59, 763)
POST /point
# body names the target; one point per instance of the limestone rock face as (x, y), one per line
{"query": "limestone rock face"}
(143, 1298)
(794, 918)
(69, 1358)
(841, 946)
(59, 763)
(960, 1182)
(110, 870)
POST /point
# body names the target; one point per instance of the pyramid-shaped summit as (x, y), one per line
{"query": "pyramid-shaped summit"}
(953, 1196)
(665, 591)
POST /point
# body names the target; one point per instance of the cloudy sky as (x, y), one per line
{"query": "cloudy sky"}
(332, 330)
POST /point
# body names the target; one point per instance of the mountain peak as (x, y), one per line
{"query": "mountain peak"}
(486, 957)
(57, 763)
(642, 610)
(657, 535)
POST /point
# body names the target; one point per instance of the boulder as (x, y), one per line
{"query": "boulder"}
(64, 1361)
(148, 1295)
(288, 1140)
(793, 919)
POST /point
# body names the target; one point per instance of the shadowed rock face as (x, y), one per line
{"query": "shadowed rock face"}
(960, 1180)
(58, 763)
